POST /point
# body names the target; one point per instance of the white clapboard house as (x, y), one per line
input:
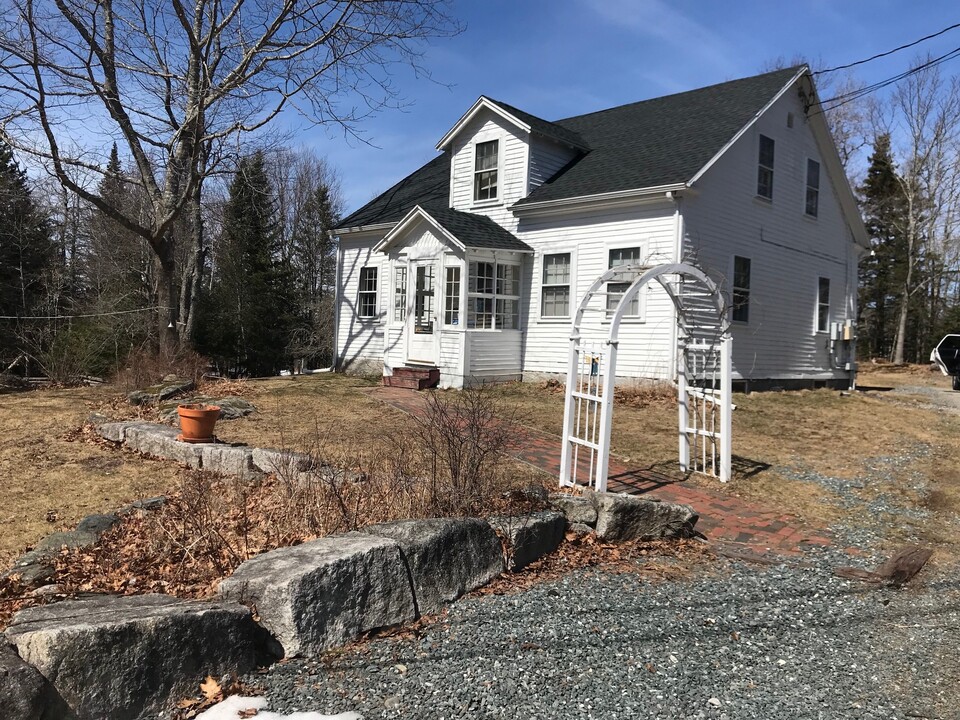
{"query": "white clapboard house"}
(470, 268)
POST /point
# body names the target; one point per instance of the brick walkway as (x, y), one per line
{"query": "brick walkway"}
(736, 525)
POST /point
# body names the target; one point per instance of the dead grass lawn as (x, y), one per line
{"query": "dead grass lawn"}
(50, 480)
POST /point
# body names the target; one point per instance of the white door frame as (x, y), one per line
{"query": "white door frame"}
(420, 349)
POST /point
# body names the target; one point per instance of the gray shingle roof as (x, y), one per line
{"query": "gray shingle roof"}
(661, 141)
(544, 127)
(656, 142)
(477, 231)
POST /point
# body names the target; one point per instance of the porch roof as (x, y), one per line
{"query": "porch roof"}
(467, 230)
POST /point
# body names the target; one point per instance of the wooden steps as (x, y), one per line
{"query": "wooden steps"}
(413, 377)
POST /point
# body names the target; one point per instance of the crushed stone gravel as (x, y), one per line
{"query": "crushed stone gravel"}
(747, 641)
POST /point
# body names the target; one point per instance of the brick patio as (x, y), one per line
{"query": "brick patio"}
(734, 524)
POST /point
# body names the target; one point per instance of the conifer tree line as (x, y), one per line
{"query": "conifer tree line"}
(909, 191)
(77, 289)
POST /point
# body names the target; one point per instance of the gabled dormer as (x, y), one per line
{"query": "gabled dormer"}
(499, 154)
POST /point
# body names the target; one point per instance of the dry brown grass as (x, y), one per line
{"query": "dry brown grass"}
(823, 431)
(50, 479)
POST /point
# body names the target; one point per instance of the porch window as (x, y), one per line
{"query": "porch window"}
(823, 304)
(813, 188)
(741, 289)
(765, 168)
(616, 290)
(555, 293)
(485, 170)
(451, 302)
(493, 292)
(367, 295)
(400, 294)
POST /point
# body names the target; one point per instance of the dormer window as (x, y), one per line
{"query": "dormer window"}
(485, 171)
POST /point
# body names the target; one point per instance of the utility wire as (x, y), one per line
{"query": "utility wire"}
(840, 100)
(71, 317)
(888, 52)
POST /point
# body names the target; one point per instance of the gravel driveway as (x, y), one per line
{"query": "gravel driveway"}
(748, 641)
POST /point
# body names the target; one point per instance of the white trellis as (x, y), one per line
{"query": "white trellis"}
(703, 374)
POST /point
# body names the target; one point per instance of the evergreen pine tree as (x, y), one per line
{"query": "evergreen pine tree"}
(26, 251)
(882, 272)
(313, 264)
(246, 317)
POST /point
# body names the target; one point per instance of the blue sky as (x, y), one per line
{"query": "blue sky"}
(567, 57)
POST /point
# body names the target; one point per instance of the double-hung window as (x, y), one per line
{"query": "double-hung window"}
(367, 295)
(823, 304)
(485, 170)
(616, 290)
(493, 296)
(555, 292)
(741, 289)
(400, 294)
(765, 168)
(812, 204)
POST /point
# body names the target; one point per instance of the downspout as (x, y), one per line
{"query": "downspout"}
(677, 258)
(335, 358)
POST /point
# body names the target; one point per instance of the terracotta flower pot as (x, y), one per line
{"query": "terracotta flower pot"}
(197, 421)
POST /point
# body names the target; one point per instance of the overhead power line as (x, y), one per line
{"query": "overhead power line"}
(888, 52)
(840, 100)
(74, 317)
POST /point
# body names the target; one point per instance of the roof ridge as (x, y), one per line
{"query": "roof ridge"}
(787, 72)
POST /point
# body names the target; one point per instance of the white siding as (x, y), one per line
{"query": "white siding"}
(645, 345)
(546, 158)
(360, 339)
(512, 177)
(494, 355)
(788, 250)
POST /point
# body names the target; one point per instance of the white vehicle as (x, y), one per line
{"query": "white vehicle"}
(947, 357)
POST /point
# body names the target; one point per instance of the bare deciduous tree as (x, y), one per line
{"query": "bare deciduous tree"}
(175, 82)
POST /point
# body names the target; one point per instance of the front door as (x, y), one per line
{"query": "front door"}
(421, 327)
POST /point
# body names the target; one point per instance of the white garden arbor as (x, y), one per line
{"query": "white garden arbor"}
(703, 370)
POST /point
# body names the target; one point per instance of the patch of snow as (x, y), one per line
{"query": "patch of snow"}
(231, 708)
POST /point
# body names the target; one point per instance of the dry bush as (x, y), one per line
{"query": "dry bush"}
(450, 463)
(646, 394)
(145, 367)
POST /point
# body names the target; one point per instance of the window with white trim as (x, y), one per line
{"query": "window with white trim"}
(812, 204)
(451, 301)
(823, 304)
(493, 296)
(400, 294)
(367, 295)
(555, 286)
(616, 290)
(765, 168)
(741, 289)
(485, 168)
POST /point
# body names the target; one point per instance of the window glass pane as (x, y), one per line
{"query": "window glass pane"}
(508, 315)
(823, 304)
(485, 170)
(556, 301)
(423, 300)
(480, 313)
(556, 269)
(451, 310)
(741, 289)
(487, 155)
(766, 151)
(507, 280)
(813, 174)
(616, 290)
(367, 294)
(400, 295)
(813, 188)
(765, 169)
